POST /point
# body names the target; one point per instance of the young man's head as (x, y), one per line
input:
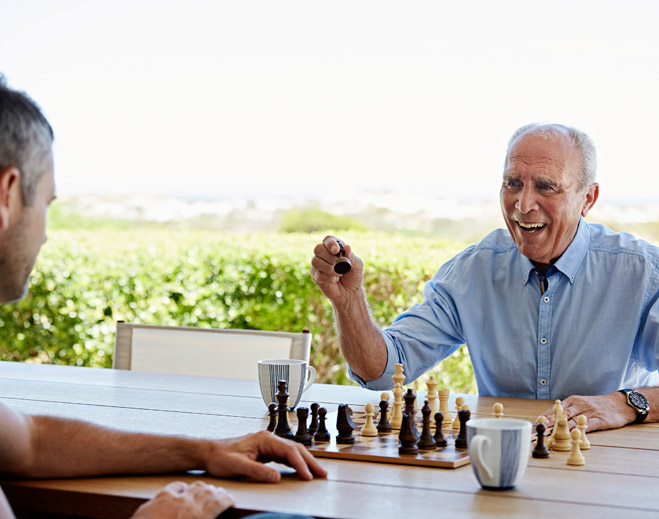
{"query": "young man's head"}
(26, 188)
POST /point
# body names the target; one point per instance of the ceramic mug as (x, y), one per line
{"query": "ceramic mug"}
(297, 374)
(499, 450)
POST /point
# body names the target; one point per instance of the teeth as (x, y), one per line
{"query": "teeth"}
(531, 225)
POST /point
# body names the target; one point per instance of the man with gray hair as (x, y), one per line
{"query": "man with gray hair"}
(552, 307)
(52, 447)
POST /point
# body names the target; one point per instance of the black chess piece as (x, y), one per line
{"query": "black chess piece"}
(282, 429)
(540, 450)
(322, 434)
(440, 439)
(302, 435)
(272, 413)
(426, 441)
(313, 426)
(345, 425)
(410, 398)
(408, 435)
(383, 424)
(461, 441)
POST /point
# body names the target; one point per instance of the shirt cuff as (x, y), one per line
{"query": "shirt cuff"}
(384, 382)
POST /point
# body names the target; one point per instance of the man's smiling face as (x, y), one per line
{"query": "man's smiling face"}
(542, 198)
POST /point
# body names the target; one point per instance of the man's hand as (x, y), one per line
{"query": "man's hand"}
(603, 411)
(335, 286)
(245, 456)
(179, 500)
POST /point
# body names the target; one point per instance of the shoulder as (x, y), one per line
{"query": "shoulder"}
(605, 241)
(496, 246)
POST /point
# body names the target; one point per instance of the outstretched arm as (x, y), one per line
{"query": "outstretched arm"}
(361, 340)
(43, 446)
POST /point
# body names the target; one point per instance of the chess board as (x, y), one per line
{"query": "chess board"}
(384, 447)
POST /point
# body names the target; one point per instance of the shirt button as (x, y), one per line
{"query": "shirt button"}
(543, 340)
(543, 382)
(546, 299)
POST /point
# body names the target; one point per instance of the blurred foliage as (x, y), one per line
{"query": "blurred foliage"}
(89, 277)
(315, 221)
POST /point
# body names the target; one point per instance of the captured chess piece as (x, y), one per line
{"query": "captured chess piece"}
(463, 417)
(426, 441)
(302, 435)
(383, 424)
(369, 427)
(440, 439)
(561, 435)
(540, 450)
(582, 421)
(576, 458)
(282, 429)
(272, 413)
(322, 434)
(342, 264)
(498, 410)
(345, 425)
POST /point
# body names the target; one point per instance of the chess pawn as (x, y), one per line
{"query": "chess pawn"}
(463, 418)
(443, 407)
(431, 395)
(313, 426)
(302, 435)
(426, 441)
(459, 402)
(562, 435)
(272, 413)
(439, 437)
(322, 434)
(384, 425)
(398, 376)
(581, 424)
(576, 458)
(548, 439)
(397, 411)
(497, 410)
(369, 428)
(540, 450)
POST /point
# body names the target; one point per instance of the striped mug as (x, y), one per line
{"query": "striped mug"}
(499, 449)
(296, 373)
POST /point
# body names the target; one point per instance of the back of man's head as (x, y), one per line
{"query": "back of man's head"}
(26, 138)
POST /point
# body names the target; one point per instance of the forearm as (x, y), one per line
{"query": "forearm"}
(70, 448)
(361, 340)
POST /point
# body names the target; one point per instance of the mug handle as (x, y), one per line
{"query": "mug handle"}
(312, 376)
(476, 453)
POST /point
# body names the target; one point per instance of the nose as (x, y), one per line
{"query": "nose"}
(526, 200)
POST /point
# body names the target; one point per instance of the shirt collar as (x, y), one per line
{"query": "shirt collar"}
(571, 259)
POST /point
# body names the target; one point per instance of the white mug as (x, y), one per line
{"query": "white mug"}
(499, 450)
(296, 373)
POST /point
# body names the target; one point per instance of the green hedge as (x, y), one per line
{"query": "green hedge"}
(87, 279)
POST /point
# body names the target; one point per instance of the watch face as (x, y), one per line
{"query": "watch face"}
(638, 400)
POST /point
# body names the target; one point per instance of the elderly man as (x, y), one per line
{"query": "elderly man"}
(46, 446)
(551, 308)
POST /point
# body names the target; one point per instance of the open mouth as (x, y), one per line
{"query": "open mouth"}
(531, 227)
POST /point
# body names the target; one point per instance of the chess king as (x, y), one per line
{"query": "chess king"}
(550, 308)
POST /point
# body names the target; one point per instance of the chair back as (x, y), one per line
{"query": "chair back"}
(187, 350)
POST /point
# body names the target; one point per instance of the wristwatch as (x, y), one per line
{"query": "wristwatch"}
(638, 402)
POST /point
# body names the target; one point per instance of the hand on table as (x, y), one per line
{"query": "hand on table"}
(246, 455)
(179, 500)
(603, 411)
(333, 285)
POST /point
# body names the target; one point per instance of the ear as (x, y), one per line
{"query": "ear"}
(10, 195)
(592, 195)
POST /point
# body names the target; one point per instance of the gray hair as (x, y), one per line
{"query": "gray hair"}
(26, 138)
(581, 141)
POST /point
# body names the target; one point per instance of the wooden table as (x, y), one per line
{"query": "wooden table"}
(618, 480)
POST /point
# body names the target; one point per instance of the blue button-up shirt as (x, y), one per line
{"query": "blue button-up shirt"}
(593, 330)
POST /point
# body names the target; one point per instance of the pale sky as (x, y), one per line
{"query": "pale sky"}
(217, 99)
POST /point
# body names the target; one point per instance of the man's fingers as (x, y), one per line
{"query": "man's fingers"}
(331, 243)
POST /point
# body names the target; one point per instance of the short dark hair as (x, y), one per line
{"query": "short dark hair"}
(26, 138)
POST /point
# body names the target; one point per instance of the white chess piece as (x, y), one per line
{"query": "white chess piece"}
(443, 407)
(397, 411)
(369, 427)
(432, 396)
(459, 402)
(576, 458)
(582, 420)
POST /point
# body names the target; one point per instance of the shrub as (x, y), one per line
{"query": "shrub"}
(87, 279)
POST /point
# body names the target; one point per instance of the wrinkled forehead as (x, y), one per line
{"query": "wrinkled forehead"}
(547, 147)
